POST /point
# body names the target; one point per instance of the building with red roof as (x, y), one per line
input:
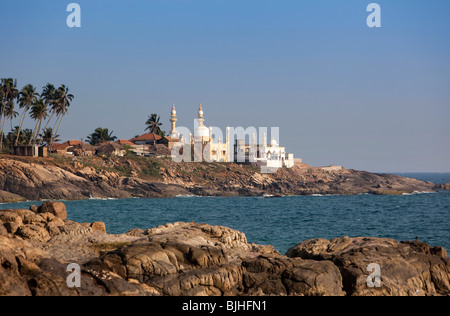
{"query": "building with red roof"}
(146, 139)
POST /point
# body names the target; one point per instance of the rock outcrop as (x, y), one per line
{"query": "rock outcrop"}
(443, 186)
(115, 177)
(36, 249)
(406, 268)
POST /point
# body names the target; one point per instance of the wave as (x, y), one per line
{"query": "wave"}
(419, 192)
(101, 199)
(186, 195)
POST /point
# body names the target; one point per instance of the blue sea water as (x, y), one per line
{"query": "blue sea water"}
(284, 222)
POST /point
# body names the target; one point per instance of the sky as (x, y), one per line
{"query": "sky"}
(375, 99)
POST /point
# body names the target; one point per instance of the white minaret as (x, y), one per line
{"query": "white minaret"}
(173, 121)
(201, 120)
(227, 146)
(263, 151)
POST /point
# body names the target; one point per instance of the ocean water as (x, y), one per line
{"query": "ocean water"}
(283, 222)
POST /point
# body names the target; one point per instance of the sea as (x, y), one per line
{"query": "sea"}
(283, 222)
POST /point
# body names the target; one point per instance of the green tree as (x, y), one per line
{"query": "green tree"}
(101, 135)
(47, 136)
(153, 125)
(27, 97)
(38, 113)
(10, 113)
(61, 104)
(49, 96)
(8, 95)
(25, 136)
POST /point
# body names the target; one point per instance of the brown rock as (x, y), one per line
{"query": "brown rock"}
(99, 226)
(48, 217)
(7, 216)
(56, 208)
(11, 227)
(34, 232)
(406, 268)
(3, 231)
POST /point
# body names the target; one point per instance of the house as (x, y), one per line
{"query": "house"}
(30, 151)
(110, 149)
(124, 142)
(66, 148)
(146, 139)
(169, 142)
(84, 150)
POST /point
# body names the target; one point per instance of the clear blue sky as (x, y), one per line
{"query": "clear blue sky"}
(342, 93)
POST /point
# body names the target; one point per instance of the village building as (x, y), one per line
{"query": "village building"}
(124, 142)
(84, 150)
(110, 149)
(168, 141)
(66, 148)
(146, 139)
(30, 151)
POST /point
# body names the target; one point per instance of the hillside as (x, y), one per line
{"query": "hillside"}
(125, 177)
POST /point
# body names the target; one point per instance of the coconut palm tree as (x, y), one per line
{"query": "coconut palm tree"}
(49, 95)
(38, 113)
(61, 104)
(9, 94)
(153, 124)
(101, 135)
(47, 136)
(27, 98)
(10, 113)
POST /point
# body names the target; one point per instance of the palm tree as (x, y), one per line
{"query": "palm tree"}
(47, 136)
(153, 124)
(27, 98)
(10, 113)
(101, 135)
(61, 104)
(38, 113)
(9, 94)
(49, 96)
(26, 135)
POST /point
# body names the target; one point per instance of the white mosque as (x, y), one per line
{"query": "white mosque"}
(269, 155)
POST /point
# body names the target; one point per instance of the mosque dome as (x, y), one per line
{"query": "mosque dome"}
(201, 132)
(273, 143)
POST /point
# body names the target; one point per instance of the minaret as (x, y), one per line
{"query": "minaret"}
(263, 151)
(200, 116)
(228, 148)
(173, 121)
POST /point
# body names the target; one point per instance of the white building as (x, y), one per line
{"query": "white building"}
(269, 155)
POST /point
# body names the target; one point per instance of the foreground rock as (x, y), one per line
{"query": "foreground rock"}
(406, 268)
(199, 259)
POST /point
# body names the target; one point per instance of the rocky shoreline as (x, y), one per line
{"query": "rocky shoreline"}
(190, 259)
(23, 178)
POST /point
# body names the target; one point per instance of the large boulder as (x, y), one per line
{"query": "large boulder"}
(56, 208)
(406, 268)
